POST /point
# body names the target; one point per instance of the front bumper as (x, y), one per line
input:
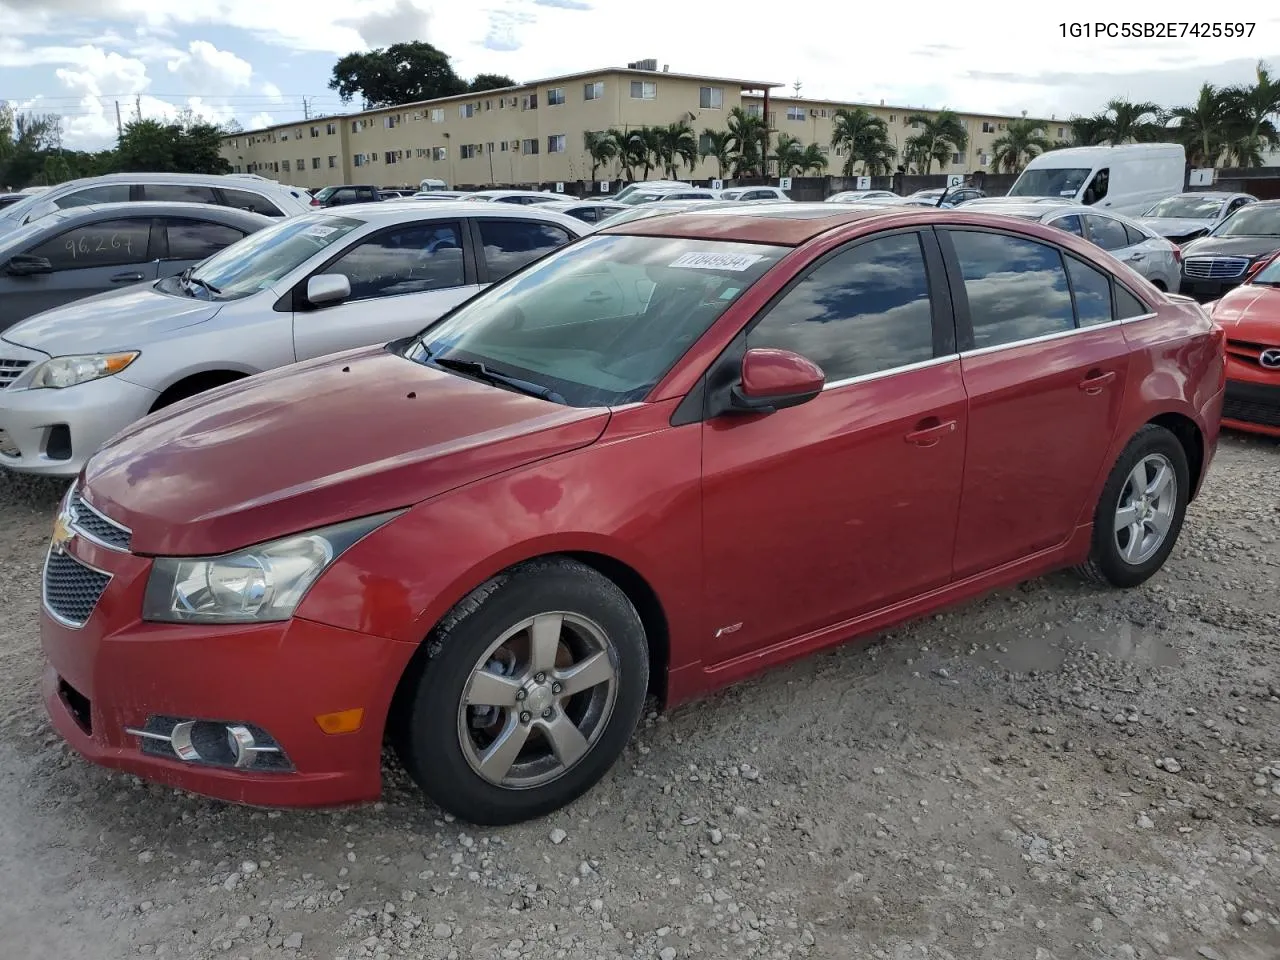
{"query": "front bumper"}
(115, 672)
(1204, 291)
(53, 432)
(1253, 407)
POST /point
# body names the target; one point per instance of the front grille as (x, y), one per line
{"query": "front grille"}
(1215, 268)
(97, 527)
(10, 370)
(71, 590)
(1251, 411)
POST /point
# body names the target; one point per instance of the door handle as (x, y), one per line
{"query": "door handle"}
(1135, 256)
(597, 298)
(928, 432)
(1095, 381)
(126, 278)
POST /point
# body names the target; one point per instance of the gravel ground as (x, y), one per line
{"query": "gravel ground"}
(1053, 772)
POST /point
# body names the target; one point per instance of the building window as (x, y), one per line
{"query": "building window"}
(593, 91)
(330, 128)
(355, 126)
(333, 163)
(555, 96)
(286, 165)
(315, 163)
(644, 90)
(392, 121)
(504, 146)
(437, 115)
(1062, 132)
(555, 143)
(795, 113)
(488, 104)
(302, 164)
(529, 102)
(983, 159)
(315, 132)
(988, 126)
(955, 158)
(389, 157)
(468, 151)
(284, 136)
(439, 153)
(529, 146)
(914, 124)
(358, 159)
(704, 144)
(467, 110)
(489, 146)
(754, 110)
(711, 98)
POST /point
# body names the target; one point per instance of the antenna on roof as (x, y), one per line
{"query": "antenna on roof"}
(797, 85)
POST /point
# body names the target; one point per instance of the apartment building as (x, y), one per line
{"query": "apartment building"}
(536, 132)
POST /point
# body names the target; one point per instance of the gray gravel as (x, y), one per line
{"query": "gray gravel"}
(1053, 772)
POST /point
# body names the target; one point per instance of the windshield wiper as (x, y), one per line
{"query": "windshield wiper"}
(187, 280)
(477, 369)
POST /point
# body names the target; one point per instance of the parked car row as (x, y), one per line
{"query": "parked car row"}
(554, 468)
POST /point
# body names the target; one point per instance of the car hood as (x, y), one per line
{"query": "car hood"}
(319, 442)
(1174, 226)
(1231, 246)
(1251, 313)
(116, 320)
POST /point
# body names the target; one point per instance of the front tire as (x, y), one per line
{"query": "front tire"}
(1141, 510)
(529, 692)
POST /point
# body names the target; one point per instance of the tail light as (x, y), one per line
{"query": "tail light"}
(315, 202)
(1177, 254)
(1257, 266)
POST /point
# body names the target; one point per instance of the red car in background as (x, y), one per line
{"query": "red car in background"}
(1250, 314)
(659, 460)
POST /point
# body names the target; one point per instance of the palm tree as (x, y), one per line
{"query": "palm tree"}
(1022, 140)
(813, 158)
(1089, 131)
(861, 136)
(788, 154)
(718, 145)
(640, 148)
(602, 148)
(1136, 122)
(1251, 107)
(625, 155)
(938, 139)
(1200, 127)
(749, 136)
(675, 143)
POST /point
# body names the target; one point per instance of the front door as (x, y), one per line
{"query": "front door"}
(1044, 365)
(846, 504)
(401, 279)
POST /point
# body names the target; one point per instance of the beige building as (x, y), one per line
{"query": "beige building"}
(535, 133)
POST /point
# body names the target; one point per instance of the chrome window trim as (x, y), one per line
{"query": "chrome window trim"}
(44, 592)
(1060, 335)
(881, 374)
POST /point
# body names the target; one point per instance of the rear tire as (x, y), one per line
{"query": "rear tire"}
(528, 693)
(1140, 512)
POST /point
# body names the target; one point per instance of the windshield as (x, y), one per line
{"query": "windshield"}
(262, 258)
(1190, 208)
(19, 210)
(1050, 182)
(601, 321)
(1254, 220)
(1269, 275)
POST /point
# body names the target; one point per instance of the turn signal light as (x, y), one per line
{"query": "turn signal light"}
(344, 721)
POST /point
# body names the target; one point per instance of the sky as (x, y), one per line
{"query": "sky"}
(259, 63)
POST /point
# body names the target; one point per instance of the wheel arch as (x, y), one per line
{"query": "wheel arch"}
(195, 382)
(1191, 438)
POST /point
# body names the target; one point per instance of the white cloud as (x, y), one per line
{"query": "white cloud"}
(207, 69)
(269, 89)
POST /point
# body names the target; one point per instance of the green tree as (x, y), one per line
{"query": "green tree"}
(181, 147)
(1021, 141)
(788, 154)
(675, 144)
(489, 81)
(749, 137)
(602, 148)
(1248, 110)
(1201, 127)
(718, 147)
(400, 73)
(814, 158)
(1091, 131)
(863, 138)
(1133, 122)
(940, 136)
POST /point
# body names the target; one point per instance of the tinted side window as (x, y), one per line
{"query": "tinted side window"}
(1107, 233)
(860, 312)
(1017, 288)
(111, 243)
(107, 193)
(178, 193)
(254, 203)
(1070, 224)
(1127, 305)
(1092, 289)
(414, 258)
(1097, 188)
(1133, 236)
(195, 240)
(510, 244)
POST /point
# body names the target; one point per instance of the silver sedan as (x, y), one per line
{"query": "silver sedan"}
(1157, 259)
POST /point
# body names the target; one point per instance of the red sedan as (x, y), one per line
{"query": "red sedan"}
(659, 460)
(1250, 314)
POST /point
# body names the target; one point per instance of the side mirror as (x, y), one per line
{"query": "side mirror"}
(774, 379)
(25, 265)
(328, 288)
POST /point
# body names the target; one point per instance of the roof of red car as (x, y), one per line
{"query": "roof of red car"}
(783, 224)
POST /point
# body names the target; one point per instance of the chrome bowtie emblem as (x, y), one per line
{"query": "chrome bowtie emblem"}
(63, 530)
(1270, 359)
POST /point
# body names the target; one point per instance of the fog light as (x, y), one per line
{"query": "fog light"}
(211, 743)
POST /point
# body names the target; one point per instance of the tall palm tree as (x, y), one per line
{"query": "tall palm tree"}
(1089, 131)
(813, 158)
(626, 155)
(718, 146)
(675, 143)
(1251, 107)
(940, 136)
(642, 148)
(862, 137)
(1021, 141)
(602, 148)
(1133, 121)
(1201, 126)
(788, 154)
(749, 134)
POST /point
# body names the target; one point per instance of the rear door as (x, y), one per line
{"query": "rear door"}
(86, 259)
(1045, 366)
(401, 278)
(186, 242)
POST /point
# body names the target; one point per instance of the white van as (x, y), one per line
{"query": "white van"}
(1124, 179)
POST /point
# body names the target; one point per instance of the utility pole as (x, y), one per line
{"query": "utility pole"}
(306, 109)
(137, 107)
(119, 125)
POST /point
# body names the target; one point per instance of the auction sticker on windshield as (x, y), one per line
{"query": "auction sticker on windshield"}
(736, 262)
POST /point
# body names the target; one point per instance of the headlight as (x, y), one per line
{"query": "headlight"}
(257, 585)
(63, 372)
